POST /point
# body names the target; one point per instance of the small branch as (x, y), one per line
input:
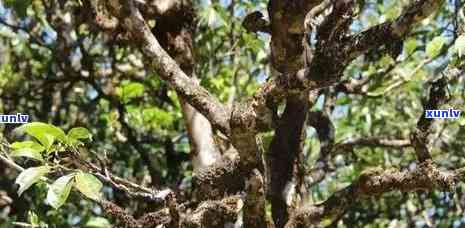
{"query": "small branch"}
(11, 163)
(22, 224)
(372, 142)
(375, 182)
(32, 38)
(131, 189)
(419, 138)
(310, 18)
(254, 22)
(402, 80)
(353, 86)
(325, 130)
(140, 192)
(110, 208)
(391, 31)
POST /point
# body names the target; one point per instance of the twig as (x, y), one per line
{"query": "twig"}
(11, 163)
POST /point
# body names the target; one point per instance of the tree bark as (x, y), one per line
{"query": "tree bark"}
(175, 32)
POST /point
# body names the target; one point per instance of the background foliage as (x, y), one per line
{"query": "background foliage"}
(62, 71)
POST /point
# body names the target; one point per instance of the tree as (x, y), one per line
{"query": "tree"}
(170, 113)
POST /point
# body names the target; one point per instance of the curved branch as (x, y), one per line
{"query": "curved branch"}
(391, 31)
(341, 54)
(169, 70)
(437, 96)
(325, 130)
(375, 182)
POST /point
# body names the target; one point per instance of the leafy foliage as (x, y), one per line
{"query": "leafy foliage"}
(59, 190)
(29, 149)
(88, 185)
(58, 68)
(46, 134)
(30, 176)
(434, 47)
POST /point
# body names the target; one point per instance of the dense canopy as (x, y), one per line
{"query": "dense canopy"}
(231, 113)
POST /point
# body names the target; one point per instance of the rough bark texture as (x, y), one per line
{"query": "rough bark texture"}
(254, 205)
(325, 130)
(282, 155)
(371, 183)
(303, 68)
(286, 22)
(213, 213)
(169, 70)
(419, 138)
(174, 31)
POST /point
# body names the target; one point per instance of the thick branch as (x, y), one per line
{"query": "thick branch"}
(120, 214)
(375, 182)
(174, 31)
(254, 204)
(224, 177)
(213, 213)
(169, 71)
(283, 154)
(328, 64)
(155, 219)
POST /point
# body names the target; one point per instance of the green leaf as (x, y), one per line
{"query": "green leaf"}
(410, 46)
(33, 218)
(459, 46)
(130, 90)
(434, 47)
(98, 222)
(89, 185)
(393, 11)
(19, 6)
(212, 18)
(27, 144)
(78, 133)
(29, 177)
(59, 191)
(157, 117)
(44, 133)
(28, 149)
